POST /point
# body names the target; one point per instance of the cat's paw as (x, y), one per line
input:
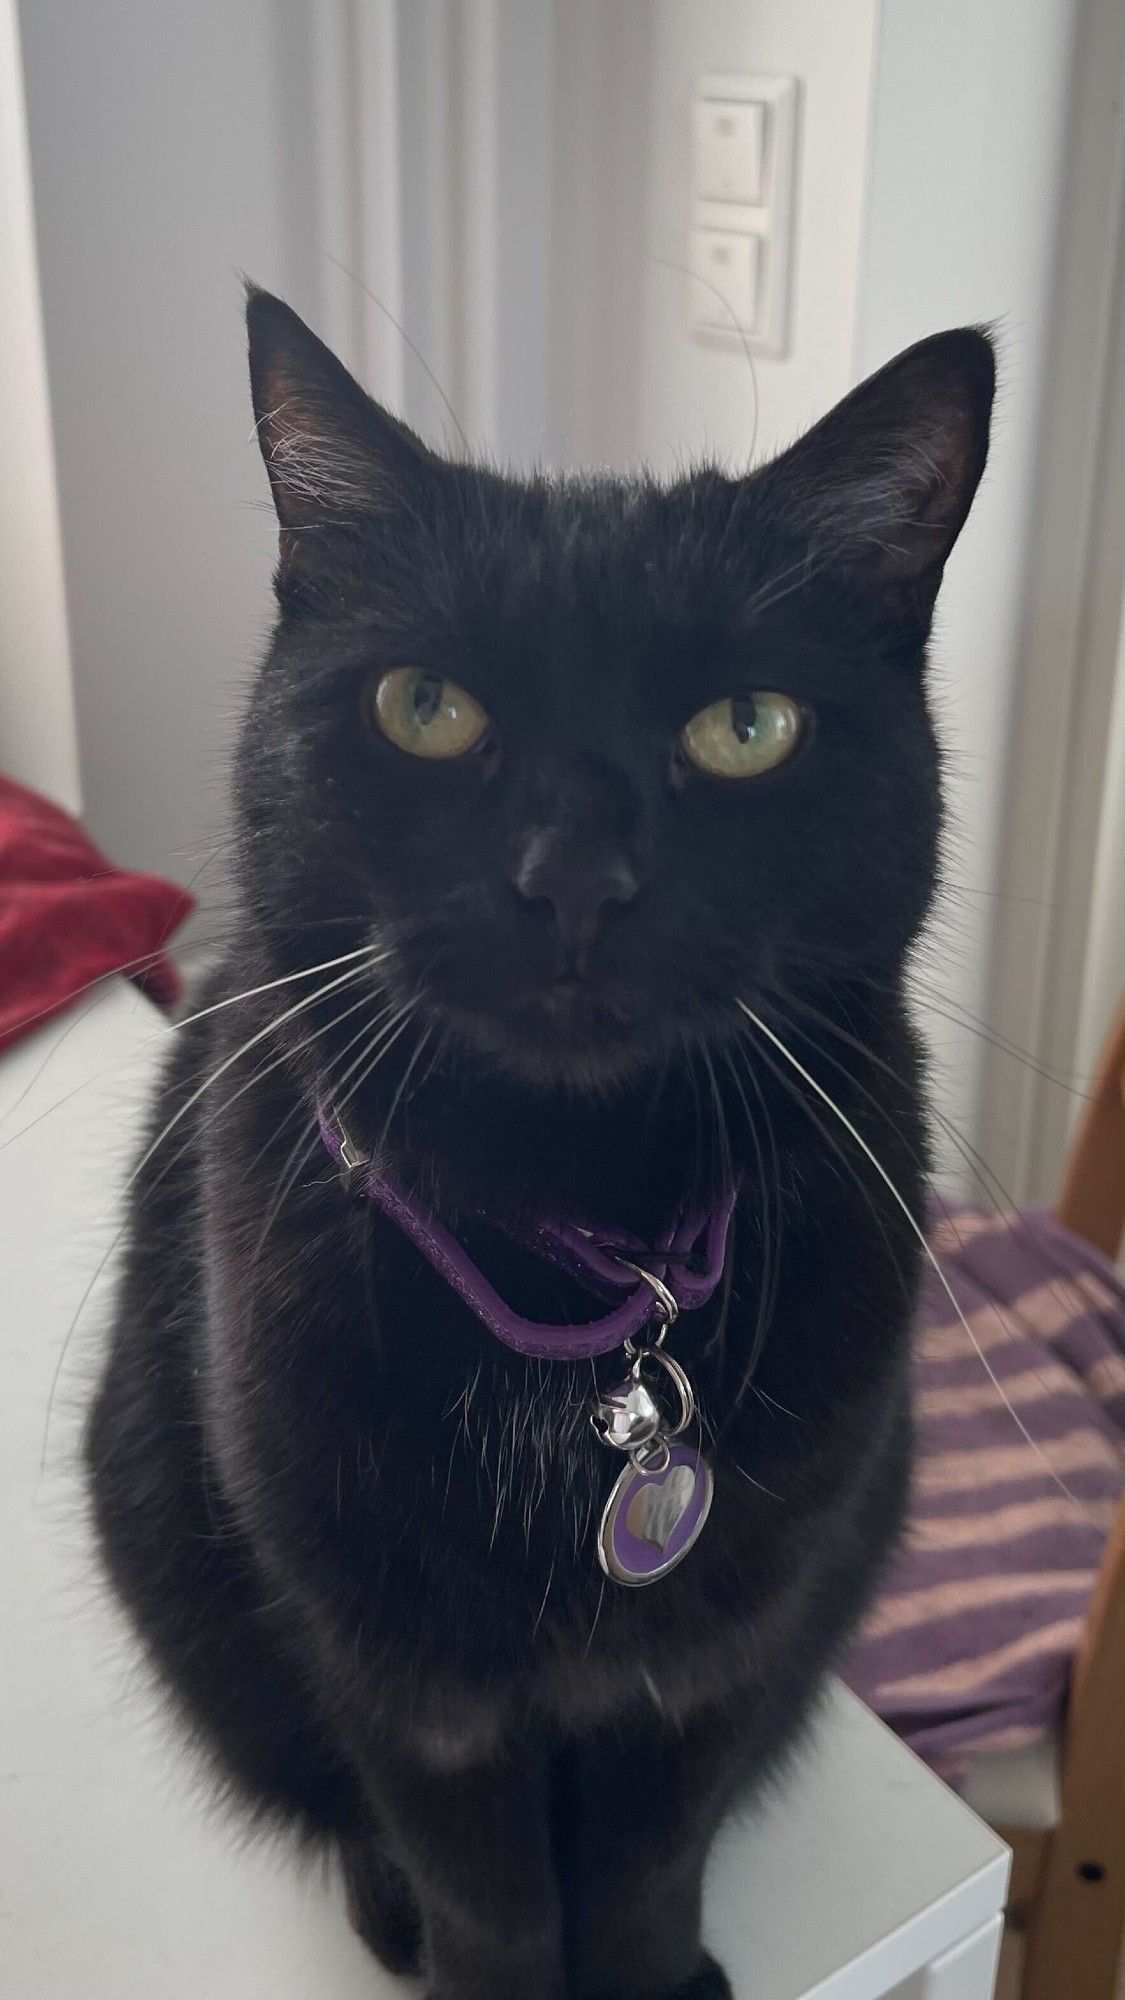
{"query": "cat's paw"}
(382, 1910)
(709, 1983)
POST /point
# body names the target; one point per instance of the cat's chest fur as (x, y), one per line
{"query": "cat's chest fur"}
(365, 1425)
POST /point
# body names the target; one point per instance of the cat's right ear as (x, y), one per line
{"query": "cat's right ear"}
(334, 457)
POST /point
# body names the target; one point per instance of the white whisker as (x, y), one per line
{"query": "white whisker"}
(103, 1261)
(919, 1232)
(368, 1056)
(271, 1027)
(277, 1062)
(175, 1028)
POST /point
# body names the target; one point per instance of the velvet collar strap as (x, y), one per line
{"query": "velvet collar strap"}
(680, 1273)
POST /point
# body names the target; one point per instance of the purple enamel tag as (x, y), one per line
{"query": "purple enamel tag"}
(651, 1520)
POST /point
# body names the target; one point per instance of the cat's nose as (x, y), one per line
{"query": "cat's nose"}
(577, 885)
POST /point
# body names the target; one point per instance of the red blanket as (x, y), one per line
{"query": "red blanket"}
(68, 916)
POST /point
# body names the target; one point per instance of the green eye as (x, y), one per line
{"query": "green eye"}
(426, 715)
(744, 736)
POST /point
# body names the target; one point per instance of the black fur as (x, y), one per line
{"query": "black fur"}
(355, 1534)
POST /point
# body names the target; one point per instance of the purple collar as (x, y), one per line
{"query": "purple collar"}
(681, 1273)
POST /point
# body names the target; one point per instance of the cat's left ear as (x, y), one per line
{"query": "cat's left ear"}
(333, 455)
(882, 486)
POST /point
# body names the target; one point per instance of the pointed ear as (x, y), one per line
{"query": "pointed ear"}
(885, 481)
(332, 454)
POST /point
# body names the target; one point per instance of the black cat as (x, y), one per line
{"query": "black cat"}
(540, 780)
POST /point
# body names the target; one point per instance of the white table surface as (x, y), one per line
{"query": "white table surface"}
(861, 1876)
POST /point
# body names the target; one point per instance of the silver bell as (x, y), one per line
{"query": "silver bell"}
(628, 1416)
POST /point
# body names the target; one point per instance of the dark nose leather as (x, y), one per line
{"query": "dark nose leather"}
(577, 884)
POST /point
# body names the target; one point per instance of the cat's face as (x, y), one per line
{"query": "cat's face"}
(591, 760)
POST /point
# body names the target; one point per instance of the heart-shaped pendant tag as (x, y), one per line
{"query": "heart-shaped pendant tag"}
(657, 1508)
(651, 1520)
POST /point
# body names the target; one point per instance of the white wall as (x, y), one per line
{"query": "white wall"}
(965, 178)
(38, 736)
(167, 147)
(697, 396)
(602, 155)
(174, 147)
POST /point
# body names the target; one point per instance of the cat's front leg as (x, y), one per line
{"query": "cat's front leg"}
(475, 1845)
(642, 1807)
(382, 1906)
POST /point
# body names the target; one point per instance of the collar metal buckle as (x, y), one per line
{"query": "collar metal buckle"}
(352, 1164)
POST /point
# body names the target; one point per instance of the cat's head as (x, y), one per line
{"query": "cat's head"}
(590, 758)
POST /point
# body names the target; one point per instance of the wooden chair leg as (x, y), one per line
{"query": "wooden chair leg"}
(1075, 1924)
(1074, 1930)
(1029, 1847)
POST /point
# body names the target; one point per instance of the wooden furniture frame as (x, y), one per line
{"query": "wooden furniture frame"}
(1068, 1881)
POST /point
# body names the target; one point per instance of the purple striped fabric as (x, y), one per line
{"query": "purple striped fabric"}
(970, 1644)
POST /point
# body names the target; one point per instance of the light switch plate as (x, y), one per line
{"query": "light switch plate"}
(725, 275)
(729, 114)
(729, 148)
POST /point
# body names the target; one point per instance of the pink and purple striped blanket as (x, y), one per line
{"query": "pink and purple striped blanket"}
(969, 1646)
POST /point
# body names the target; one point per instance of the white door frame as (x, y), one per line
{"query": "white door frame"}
(1060, 873)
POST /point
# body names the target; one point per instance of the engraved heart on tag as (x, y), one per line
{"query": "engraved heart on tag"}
(655, 1512)
(652, 1519)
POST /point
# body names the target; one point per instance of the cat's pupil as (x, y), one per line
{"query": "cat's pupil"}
(743, 716)
(427, 697)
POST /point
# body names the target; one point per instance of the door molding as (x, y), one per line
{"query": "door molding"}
(435, 150)
(1058, 762)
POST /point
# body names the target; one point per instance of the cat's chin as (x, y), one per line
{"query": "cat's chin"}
(564, 1039)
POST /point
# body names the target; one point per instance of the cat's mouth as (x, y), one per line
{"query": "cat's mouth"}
(576, 1007)
(574, 1001)
(570, 1030)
